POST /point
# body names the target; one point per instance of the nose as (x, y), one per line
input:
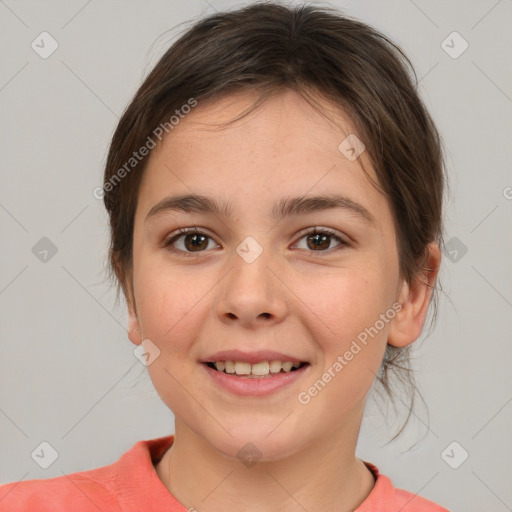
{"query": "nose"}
(252, 294)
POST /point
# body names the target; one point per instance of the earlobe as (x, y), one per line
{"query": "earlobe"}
(415, 298)
(134, 333)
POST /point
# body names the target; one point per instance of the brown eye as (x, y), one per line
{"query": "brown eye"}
(189, 241)
(195, 242)
(320, 240)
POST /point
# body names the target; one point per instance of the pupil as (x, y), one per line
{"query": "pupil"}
(196, 244)
(319, 238)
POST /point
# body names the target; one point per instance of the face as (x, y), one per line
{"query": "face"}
(256, 276)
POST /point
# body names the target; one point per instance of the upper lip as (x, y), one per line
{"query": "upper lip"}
(251, 357)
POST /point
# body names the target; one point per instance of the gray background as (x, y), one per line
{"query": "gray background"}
(67, 371)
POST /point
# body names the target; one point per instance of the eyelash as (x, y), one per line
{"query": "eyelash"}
(194, 231)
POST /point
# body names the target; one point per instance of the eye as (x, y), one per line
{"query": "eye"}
(319, 240)
(190, 240)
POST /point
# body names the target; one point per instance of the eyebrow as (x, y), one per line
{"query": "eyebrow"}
(283, 208)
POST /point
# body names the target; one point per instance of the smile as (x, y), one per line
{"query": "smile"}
(256, 379)
(255, 370)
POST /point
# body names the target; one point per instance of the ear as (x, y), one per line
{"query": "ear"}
(406, 326)
(134, 332)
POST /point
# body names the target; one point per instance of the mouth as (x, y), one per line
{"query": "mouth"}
(256, 379)
(258, 370)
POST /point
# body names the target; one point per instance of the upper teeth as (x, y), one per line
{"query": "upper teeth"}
(261, 368)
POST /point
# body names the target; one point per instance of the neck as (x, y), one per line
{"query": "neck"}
(325, 475)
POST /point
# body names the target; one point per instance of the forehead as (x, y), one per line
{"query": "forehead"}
(284, 118)
(284, 145)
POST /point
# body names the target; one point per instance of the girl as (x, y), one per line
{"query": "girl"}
(274, 191)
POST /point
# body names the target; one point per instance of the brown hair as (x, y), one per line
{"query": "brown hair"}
(268, 47)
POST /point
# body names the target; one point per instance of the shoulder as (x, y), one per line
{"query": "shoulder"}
(387, 498)
(83, 491)
(410, 502)
(129, 480)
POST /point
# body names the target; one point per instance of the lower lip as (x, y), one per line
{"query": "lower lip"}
(246, 386)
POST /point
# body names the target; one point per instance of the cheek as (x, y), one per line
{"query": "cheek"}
(171, 310)
(349, 331)
(347, 303)
(168, 306)
(352, 338)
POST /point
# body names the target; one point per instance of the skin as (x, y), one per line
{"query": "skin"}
(292, 298)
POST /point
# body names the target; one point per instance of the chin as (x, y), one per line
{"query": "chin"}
(252, 445)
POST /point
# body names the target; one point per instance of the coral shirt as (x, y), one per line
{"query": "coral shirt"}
(132, 485)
